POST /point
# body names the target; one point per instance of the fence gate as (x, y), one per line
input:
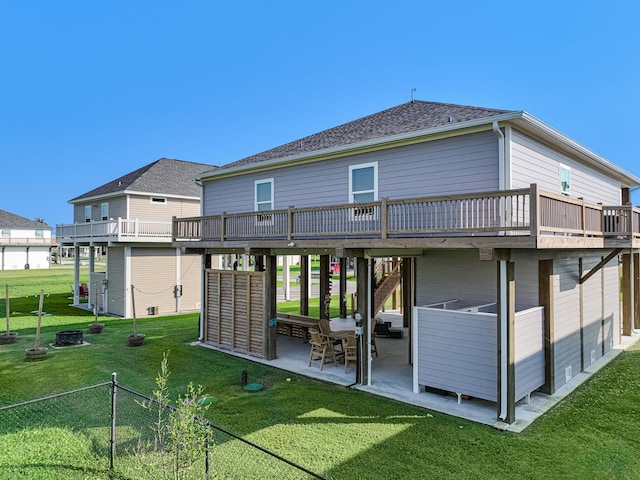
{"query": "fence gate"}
(235, 316)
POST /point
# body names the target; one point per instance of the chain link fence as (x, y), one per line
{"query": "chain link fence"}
(114, 430)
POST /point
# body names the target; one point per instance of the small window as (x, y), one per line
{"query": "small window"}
(6, 232)
(159, 200)
(87, 213)
(104, 211)
(565, 180)
(264, 199)
(363, 188)
(39, 233)
(363, 183)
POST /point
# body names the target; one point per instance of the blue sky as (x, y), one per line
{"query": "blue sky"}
(91, 90)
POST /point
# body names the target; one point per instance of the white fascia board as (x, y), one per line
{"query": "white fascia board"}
(382, 142)
(551, 133)
(124, 193)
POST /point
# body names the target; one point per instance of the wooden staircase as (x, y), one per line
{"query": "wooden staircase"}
(387, 279)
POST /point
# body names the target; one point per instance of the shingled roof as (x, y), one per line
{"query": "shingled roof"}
(407, 117)
(165, 176)
(11, 220)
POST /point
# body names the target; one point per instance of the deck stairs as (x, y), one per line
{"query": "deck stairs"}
(387, 278)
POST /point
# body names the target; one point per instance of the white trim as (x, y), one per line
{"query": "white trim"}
(128, 310)
(562, 167)
(415, 349)
(155, 200)
(361, 166)
(255, 193)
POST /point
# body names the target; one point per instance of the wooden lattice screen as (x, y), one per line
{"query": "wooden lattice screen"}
(235, 312)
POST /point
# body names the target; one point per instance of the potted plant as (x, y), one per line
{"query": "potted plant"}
(37, 352)
(137, 339)
(9, 336)
(96, 327)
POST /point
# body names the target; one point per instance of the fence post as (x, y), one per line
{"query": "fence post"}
(112, 437)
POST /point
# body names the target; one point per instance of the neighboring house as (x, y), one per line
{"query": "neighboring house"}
(510, 236)
(129, 218)
(25, 243)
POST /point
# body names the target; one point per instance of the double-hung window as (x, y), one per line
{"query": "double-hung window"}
(87, 213)
(264, 199)
(363, 188)
(104, 211)
(565, 180)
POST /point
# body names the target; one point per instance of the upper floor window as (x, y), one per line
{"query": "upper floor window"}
(264, 199)
(6, 232)
(87, 213)
(39, 233)
(104, 211)
(363, 183)
(159, 200)
(565, 180)
(264, 195)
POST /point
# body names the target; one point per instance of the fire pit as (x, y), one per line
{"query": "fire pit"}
(69, 337)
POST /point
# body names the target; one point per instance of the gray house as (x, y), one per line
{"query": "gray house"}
(130, 219)
(509, 235)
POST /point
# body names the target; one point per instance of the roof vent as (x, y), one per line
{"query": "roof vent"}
(449, 120)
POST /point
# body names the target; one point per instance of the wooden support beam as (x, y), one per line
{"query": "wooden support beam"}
(325, 296)
(545, 294)
(636, 290)
(603, 262)
(627, 294)
(270, 306)
(304, 284)
(363, 282)
(506, 340)
(343, 287)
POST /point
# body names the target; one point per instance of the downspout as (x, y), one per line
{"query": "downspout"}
(502, 174)
(502, 369)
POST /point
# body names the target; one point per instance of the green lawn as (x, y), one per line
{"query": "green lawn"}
(338, 432)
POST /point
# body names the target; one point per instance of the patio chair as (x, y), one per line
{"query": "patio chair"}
(321, 349)
(84, 291)
(335, 337)
(350, 351)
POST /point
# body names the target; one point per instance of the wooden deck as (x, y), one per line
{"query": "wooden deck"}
(525, 218)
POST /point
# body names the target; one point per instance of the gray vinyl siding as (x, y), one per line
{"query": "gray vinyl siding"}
(611, 305)
(529, 351)
(116, 278)
(447, 166)
(534, 162)
(153, 274)
(140, 206)
(458, 352)
(567, 319)
(444, 275)
(592, 313)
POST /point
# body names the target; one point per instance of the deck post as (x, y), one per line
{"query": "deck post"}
(545, 294)
(363, 282)
(627, 294)
(343, 287)
(76, 275)
(636, 290)
(270, 307)
(534, 213)
(325, 294)
(304, 284)
(506, 344)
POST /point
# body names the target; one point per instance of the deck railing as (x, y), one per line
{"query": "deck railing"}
(118, 230)
(26, 241)
(510, 212)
